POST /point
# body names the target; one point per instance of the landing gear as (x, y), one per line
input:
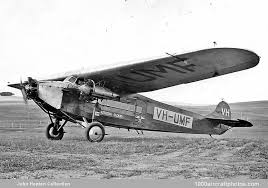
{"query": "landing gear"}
(95, 132)
(54, 131)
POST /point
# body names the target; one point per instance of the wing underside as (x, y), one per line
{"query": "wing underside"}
(171, 70)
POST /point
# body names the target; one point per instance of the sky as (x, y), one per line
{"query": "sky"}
(39, 38)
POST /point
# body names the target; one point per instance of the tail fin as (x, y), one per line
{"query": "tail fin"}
(222, 111)
(221, 119)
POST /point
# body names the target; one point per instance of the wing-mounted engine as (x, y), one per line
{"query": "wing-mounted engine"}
(89, 90)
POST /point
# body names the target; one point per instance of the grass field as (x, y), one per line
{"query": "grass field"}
(26, 153)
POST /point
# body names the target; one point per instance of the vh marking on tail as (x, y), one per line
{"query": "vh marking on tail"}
(225, 112)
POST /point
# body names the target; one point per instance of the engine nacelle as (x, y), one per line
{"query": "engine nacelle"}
(98, 92)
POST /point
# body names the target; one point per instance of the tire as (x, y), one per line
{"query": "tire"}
(95, 132)
(51, 135)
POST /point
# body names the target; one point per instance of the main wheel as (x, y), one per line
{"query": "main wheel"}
(53, 134)
(95, 132)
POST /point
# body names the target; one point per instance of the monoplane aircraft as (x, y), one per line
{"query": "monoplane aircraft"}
(108, 97)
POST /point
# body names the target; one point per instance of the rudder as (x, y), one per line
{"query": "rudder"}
(222, 111)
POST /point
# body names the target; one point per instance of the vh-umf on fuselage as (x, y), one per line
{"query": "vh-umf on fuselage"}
(108, 97)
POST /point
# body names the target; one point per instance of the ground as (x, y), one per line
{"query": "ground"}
(26, 153)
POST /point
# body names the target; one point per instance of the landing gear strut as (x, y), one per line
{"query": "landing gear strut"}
(95, 132)
(55, 131)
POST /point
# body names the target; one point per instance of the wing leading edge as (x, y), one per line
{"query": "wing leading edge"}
(172, 70)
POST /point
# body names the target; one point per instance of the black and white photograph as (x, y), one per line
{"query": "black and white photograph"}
(165, 93)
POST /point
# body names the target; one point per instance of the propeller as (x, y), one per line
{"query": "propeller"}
(29, 88)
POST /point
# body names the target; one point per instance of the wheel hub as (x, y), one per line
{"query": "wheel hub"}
(95, 133)
(53, 132)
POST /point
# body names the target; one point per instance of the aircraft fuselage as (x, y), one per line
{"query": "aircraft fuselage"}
(130, 112)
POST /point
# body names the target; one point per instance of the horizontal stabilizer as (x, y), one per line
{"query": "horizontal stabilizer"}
(231, 123)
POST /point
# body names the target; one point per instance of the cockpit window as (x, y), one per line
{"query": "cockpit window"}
(71, 79)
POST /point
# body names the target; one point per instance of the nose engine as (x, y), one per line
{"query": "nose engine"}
(29, 88)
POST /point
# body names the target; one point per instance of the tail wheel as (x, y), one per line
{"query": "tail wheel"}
(53, 134)
(95, 132)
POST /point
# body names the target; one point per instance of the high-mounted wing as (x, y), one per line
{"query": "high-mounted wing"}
(169, 71)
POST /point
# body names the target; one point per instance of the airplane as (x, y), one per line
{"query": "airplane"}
(94, 99)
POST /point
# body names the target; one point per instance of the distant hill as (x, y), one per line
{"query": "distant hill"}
(251, 104)
(6, 94)
(183, 104)
(257, 110)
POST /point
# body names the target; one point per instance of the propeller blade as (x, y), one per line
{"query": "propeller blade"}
(24, 95)
(23, 92)
(17, 86)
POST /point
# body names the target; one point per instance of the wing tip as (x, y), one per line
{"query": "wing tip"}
(254, 58)
(248, 57)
